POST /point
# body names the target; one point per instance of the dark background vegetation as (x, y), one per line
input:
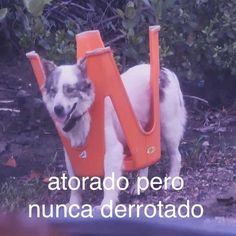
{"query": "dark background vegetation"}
(197, 37)
(197, 41)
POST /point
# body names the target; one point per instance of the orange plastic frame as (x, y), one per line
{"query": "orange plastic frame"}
(143, 146)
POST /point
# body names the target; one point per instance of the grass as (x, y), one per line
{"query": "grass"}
(17, 193)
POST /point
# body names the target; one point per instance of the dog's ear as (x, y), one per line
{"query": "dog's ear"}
(48, 67)
(82, 67)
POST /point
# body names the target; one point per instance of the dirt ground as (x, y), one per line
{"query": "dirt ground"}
(28, 137)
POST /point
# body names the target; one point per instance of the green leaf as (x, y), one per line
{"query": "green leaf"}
(35, 7)
(169, 3)
(120, 13)
(3, 13)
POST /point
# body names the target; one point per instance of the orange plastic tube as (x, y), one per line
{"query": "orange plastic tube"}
(144, 147)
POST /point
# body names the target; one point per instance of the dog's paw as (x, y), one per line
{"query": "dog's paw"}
(69, 204)
(97, 209)
(177, 183)
(134, 190)
(172, 185)
(101, 210)
(106, 204)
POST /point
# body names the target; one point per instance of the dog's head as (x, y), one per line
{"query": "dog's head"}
(68, 93)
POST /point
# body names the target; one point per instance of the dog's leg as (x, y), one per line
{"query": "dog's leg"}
(112, 164)
(172, 141)
(113, 156)
(175, 163)
(75, 195)
(173, 119)
(141, 173)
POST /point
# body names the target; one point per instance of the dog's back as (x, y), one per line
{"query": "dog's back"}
(172, 110)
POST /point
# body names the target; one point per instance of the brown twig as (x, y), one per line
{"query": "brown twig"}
(6, 101)
(109, 19)
(104, 13)
(197, 98)
(10, 109)
(115, 39)
(82, 8)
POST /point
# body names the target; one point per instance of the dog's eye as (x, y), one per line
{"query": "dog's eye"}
(85, 86)
(52, 91)
(70, 90)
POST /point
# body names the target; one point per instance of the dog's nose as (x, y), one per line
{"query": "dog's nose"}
(59, 110)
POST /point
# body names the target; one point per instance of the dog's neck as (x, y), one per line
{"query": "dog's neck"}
(79, 132)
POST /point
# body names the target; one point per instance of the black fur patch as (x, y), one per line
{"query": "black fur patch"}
(48, 66)
(85, 86)
(164, 82)
(52, 81)
(75, 90)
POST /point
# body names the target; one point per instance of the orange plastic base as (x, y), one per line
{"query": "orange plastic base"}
(144, 146)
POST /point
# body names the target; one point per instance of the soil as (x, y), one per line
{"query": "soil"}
(27, 135)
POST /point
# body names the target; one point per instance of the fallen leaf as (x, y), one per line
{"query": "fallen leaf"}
(46, 180)
(33, 175)
(11, 162)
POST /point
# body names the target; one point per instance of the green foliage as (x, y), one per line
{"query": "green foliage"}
(197, 37)
(35, 7)
(3, 13)
(30, 29)
(201, 36)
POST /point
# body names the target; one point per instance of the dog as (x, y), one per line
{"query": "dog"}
(69, 94)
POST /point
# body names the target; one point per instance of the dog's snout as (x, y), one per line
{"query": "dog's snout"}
(59, 110)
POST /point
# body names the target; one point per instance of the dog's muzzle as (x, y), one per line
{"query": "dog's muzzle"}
(71, 120)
